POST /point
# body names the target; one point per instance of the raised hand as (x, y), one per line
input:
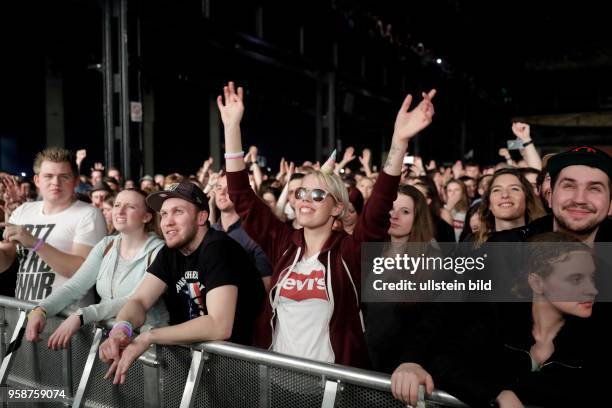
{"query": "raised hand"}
(349, 155)
(98, 166)
(503, 152)
(522, 131)
(282, 169)
(80, 156)
(254, 152)
(410, 122)
(207, 165)
(457, 169)
(366, 156)
(231, 106)
(12, 191)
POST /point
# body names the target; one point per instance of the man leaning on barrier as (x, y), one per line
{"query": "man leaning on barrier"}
(212, 289)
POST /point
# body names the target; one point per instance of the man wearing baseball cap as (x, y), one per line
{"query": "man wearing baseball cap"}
(581, 180)
(213, 291)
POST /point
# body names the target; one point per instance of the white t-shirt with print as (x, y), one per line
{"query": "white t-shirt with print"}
(303, 313)
(80, 223)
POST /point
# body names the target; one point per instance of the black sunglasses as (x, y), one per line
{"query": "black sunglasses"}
(316, 194)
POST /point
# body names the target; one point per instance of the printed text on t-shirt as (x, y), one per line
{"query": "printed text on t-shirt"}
(300, 287)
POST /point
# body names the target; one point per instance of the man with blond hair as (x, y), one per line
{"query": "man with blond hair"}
(50, 238)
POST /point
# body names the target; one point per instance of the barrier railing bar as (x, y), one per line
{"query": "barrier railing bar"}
(329, 394)
(67, 369)
(91, 359)
(264, 386)
(16, 338)
(193, 379)
(351, 375)
(360, 377)
(3, 326)
(153, 395)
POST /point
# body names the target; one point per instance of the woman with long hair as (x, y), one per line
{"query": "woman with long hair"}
(457, 202)
(114, 266)
(390, 325)
(313, 310)
(410, 218)
(508, 203)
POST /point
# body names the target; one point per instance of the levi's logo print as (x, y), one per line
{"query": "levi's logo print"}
(299, 286)
(192, 289)
(35, 278)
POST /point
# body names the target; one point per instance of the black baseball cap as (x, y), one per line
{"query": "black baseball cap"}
(185, 190)
(580, 156)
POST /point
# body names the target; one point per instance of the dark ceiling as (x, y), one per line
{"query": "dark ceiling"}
(544, 56)
(549, 63)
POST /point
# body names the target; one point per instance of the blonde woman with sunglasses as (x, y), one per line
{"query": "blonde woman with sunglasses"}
(313, 308)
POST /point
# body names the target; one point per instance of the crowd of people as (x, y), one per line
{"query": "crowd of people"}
(274, 260)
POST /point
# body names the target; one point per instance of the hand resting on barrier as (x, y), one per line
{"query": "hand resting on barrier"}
(112, 349)
(125, 353)
(62, 335)
(508, 399)
(405, 382)
(37, 321)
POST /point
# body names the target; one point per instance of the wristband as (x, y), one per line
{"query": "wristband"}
(527, 143)
(237, 155)
(37, 245)
(123, 326)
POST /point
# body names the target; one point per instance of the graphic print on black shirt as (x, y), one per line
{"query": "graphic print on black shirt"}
(35, 278)
(218, 261)
(191, 287)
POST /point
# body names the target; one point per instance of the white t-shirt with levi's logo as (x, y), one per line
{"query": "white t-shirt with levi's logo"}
(303, 313)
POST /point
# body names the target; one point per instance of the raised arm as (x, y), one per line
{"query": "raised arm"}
(374, 220)
(529, 153)
(258, 220)
(231, 108)
(407, 124)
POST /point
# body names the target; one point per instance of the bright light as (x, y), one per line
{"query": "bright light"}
(23, 174)
(439, 60)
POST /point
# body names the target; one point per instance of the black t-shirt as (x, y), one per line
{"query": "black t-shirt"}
(218, 261)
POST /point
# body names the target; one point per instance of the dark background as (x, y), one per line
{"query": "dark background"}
(545, 62)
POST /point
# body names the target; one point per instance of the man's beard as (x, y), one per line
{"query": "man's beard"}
(586, 230)
(183, 242)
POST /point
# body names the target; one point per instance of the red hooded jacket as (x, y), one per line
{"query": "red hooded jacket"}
(341, 255)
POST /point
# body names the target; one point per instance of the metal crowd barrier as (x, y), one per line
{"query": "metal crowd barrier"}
(212, 374)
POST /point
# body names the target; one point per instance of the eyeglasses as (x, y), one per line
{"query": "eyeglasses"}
(316, 194)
